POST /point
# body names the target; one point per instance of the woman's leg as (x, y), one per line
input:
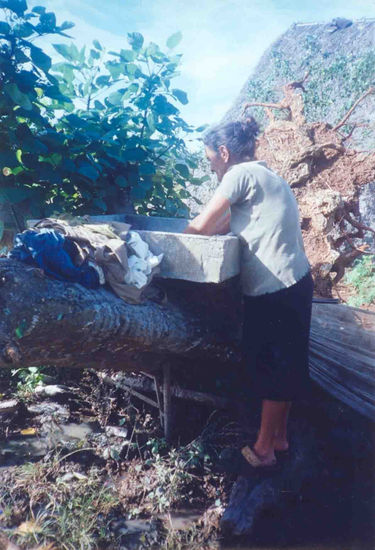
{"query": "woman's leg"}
(273, 422)
(281, 442)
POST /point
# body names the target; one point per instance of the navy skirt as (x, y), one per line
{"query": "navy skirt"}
(276, 341)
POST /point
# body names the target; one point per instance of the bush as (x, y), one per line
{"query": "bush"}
(93, 134)
(362, 278)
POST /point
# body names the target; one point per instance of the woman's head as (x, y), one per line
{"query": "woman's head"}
(229, 144)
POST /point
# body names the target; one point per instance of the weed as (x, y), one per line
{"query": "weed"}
(29, 379)
(362, 278)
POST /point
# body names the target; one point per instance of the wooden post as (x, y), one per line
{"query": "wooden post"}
(167, 402)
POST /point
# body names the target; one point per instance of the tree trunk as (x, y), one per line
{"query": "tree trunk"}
(48, 322)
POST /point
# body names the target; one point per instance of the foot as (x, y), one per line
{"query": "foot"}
(281, 445)
(257, 458)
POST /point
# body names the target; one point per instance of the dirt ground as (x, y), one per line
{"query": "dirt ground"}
(88, 468)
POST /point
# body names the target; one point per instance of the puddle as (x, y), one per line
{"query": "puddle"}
(28, 447)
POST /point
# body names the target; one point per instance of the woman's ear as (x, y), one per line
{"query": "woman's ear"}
(224, 153)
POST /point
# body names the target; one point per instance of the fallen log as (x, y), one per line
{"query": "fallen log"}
(47, 322)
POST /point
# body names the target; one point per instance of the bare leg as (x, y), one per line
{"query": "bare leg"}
(274, 418)
(281, 437)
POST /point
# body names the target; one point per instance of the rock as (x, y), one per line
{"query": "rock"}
(49, 408)
(115, 431)
(51, 391)
(340, 23)
(367, 208)
(71, 476)
(10, 405)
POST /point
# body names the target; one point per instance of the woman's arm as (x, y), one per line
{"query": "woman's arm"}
(213, 220)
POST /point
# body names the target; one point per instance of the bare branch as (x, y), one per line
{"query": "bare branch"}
(265, 105)
(369, 92)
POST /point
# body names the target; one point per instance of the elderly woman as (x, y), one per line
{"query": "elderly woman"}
(259, 207)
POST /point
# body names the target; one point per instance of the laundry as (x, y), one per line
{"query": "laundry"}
(53, 253)
(117, 256)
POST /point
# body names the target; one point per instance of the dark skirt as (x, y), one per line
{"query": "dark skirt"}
(276, 341)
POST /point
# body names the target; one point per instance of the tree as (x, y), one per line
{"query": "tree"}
(100, 134)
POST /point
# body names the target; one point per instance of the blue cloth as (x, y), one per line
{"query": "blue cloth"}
(49, 250)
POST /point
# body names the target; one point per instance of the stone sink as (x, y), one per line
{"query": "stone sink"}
(195, 258)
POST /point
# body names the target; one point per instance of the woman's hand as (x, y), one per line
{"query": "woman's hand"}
(213, 220)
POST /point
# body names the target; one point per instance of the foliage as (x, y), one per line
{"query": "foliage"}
(128, 124)
(335, 78)
(72, 515)
(362, 278)
(94, 132)
(29, 379)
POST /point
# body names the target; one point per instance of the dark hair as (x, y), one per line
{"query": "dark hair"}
(238, 137)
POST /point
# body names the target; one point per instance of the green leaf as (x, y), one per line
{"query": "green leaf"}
(23, 30)
(40, 59)
(21, 57)
(131, 90)
(121, 181)
(152, 49)
(88, 170)
(136, 40)
(128, 55)
(180, 95)
(48, 21)
(18, 97)
(163, 107)
(26, 81)
(138, 193)
(1, 229)
(102, 80)
(39, 9)
(94, 54)
(133, 154)
(201, 128)
(183, 170)
(150, 121)
(66, 25)
(99, 106)
(147, 169)
(17, 6)
(115, 98)
(64, 50)
(174, 40)
(131, 68)
(4, 28)
(97, 45)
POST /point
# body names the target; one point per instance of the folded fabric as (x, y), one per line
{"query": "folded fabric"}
(50, 251)
(120, 256)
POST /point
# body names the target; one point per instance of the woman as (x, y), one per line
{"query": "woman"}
(259, 207)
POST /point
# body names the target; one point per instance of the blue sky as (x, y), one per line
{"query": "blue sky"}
(222, 39)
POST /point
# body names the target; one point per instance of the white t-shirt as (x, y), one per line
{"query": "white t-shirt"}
(264, 215)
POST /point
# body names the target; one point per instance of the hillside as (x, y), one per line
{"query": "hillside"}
(341, 64)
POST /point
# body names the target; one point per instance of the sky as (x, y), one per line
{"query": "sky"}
(222, 39)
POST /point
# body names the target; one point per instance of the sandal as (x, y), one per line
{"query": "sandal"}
(255, 461)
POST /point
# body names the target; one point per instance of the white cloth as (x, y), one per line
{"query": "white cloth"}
(141, 263)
